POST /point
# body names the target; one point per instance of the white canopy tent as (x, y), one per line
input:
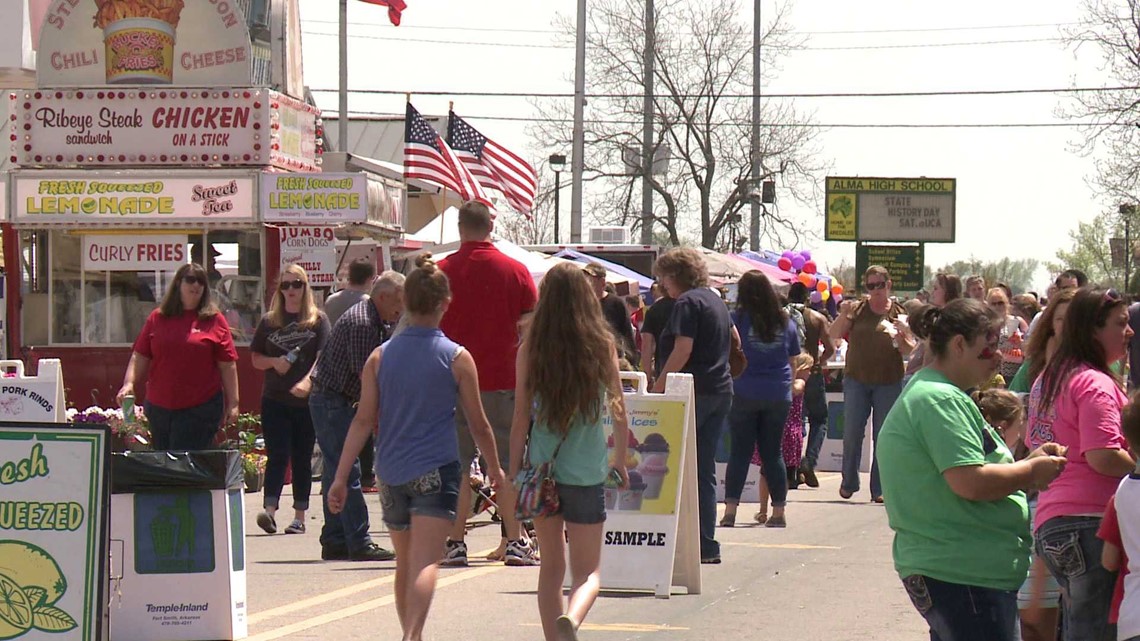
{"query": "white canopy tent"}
(536, 262)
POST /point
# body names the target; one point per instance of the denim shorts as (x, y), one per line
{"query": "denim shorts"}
(582, 504)
(434, 494)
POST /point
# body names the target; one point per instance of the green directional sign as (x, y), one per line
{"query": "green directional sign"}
(904, 262)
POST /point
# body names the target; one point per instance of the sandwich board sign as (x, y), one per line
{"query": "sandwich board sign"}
(53, 530)
(36, 398)
(652, 535)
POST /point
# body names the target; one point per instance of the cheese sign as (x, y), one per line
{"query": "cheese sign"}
(312, 248)
(134, 253)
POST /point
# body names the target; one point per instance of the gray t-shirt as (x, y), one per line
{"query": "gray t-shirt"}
(338, 303)
(274, 342)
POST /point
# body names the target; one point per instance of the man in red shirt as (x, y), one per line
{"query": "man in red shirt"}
(490, 295)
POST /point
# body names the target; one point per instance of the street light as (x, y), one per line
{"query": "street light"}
(557, 164)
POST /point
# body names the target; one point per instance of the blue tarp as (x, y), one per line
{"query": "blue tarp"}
(643, 282)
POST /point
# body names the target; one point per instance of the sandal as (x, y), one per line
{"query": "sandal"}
(761, 517)
(728, 520)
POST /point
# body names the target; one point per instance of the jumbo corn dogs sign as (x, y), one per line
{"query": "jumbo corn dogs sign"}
(85, 43)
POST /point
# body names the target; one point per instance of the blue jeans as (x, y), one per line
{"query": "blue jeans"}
(185, 430)
(712, 411)
(289, 439)
(760, 425)
(815, 407)
(332, 415)
(859, 400)
(1071, 551)
(964, 612)
(434, 494)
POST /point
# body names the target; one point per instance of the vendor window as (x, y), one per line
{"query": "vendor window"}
(66, 304)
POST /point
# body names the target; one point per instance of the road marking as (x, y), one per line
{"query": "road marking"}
(365, 606)
(335, 594)
(782, 546)
(619, 627)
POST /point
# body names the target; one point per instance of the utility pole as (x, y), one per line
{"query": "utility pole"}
(579, 146)
(757, 32)
(1127, 212)
(342, 91)
(647, 127)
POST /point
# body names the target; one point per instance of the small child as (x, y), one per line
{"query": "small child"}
(1120, 531)
(1039, 596)
(793, 443)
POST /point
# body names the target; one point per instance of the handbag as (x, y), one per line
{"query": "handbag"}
(737, 361)
(537, 491)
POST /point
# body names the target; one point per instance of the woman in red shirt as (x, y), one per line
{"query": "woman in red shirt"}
(186, 354)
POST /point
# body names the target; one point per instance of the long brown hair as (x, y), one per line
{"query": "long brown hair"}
(570, 350)
(1038, 342)
(756, 297)
(172, 300)
(309, 315)
(1088, 312)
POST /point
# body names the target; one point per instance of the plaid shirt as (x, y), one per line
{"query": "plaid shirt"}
(358, 331)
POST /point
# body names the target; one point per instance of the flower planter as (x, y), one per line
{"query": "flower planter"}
(254, 481)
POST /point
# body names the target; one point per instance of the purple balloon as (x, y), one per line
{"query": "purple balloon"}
(806, 254)
(789, 254)
(798, 263)
(816, 297)
(838, 298)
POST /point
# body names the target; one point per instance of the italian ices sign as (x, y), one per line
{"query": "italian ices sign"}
(53, 485)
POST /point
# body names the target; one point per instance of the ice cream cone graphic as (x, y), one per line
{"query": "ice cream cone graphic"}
(139, 38)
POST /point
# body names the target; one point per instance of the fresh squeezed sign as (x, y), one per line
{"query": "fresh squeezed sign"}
(53, 493)
(86, 197)
(123, 253)
(314, 249)
(321, 198)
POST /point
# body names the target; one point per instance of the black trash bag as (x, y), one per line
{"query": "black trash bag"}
(163, 470)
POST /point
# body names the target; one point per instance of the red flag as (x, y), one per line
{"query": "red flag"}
(395, 7)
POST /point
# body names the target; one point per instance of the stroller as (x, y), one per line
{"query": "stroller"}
(486, 499)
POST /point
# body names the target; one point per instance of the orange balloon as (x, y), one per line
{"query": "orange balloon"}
(821, 286)
(805, 279)
(837, 289)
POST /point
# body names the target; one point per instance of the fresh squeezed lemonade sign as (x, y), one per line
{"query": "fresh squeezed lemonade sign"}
(51, 548)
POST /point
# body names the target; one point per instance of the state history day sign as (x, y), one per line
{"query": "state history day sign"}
(890, 209)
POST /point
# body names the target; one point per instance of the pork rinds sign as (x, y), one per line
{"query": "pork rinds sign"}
(86, 43)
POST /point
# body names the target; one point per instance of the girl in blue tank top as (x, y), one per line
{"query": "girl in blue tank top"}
(420, 375)
(567, 372)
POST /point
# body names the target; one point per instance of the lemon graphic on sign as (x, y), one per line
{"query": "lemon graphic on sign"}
(30, 585)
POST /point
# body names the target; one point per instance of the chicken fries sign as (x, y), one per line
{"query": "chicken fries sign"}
(85, 43)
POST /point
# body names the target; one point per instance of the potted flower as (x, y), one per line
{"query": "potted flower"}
(126, 435)
(249, 443)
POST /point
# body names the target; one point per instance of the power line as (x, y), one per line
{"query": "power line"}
(471, 43)
(748, 96)
(331, 115)
(801, 33)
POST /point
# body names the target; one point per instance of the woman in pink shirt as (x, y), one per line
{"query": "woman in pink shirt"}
(1076, 402)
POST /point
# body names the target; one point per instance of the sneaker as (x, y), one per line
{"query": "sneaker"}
(266, 522)
(520, 553)
(454, 554)
(777, 521)
(567, 631)
(711, 560)
(372, 552)
(369, 489)
(810, 479)
(296, 527)
(334, 553)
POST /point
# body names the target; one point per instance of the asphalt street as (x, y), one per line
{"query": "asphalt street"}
(827, 576)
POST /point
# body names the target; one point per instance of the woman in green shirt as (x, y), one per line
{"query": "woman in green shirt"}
(954, 495)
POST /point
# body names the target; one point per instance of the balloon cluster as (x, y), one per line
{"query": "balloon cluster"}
(807, 272)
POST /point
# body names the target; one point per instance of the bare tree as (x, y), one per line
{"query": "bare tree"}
(1111, 28)
(703, 86)
(538, 228)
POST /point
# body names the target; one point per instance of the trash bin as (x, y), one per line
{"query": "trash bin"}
(178, 519)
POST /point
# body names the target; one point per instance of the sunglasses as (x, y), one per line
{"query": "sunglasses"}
(193, 280)
(292, 284)
(997, 303)
(874, 286)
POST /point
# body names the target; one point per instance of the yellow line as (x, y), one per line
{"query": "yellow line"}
(619, 627)
(364, 606)
(782, 546)
(334, 595)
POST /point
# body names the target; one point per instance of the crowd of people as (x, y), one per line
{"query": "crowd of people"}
(1000, 424)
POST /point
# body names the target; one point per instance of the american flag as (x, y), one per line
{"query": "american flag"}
(494, 166)
(427, 157)
(395, 7)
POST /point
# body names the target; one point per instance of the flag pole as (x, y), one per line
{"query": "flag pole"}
(404, 172)
(342, 90)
